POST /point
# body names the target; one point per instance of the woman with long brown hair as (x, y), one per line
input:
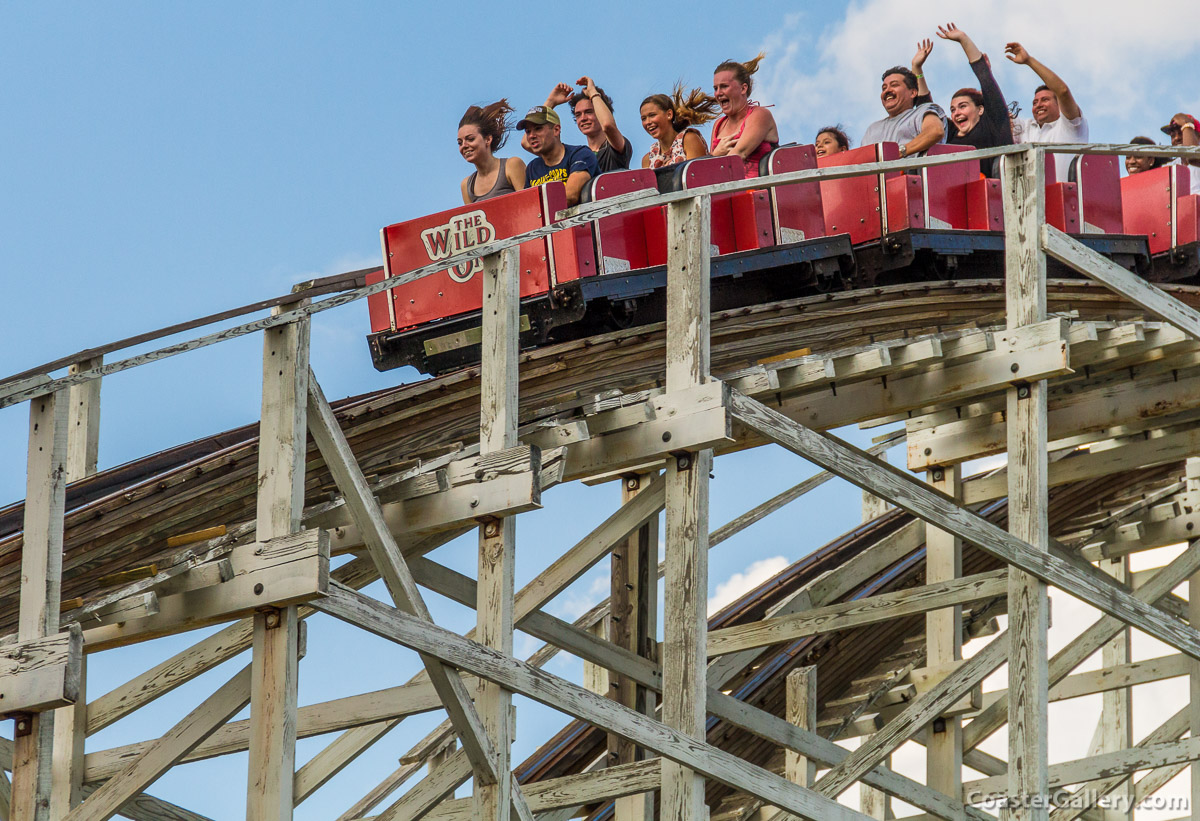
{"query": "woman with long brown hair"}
(745, 128)
(669, 119)
(482, 132)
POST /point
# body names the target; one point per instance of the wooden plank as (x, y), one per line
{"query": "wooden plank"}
(41, 590)
(146, 807)
(83, 441)
(801, 711)
(685, 611)
(336, 756)
(197, 725)
(904, 491)
(70, 730)
(276, 573)
(1103, 270)
(41, 674)
(943, 639)
(562, 695)
(384, 551)
(869, 610)
(430, 791)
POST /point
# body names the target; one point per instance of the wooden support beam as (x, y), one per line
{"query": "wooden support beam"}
(197, 725)
(1115, 729)
(1108, 679)
(384, 551)
(943, 639)
(801, 711)
(633, 627)
(1080, 580)
(276, 639)
(1028, 501)
(869, 610)
(146, 807)
(41, 674)
(83, 420)
(519, 677)
(336, 756)
(685, 619)
(41, 591)
(1129, 285)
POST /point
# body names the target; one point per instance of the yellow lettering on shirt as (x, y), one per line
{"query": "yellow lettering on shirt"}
(553, 175)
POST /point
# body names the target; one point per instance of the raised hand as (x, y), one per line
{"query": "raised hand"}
(561, 93)
(589, 87)
(923, 49)
(951, 32)
(1017, 53)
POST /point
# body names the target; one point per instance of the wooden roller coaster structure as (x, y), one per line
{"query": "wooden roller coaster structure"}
(1091, 387)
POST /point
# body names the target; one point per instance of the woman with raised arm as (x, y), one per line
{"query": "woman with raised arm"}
(481, 133)
(831, 140)
(978, 117)
(669, 119)
(744, 128)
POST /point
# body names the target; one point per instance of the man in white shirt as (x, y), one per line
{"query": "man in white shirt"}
(1182, 131)
(1056, 115)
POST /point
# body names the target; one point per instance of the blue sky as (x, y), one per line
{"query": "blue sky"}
(162, 161)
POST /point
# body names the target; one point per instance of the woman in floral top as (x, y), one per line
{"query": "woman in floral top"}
(669, 120)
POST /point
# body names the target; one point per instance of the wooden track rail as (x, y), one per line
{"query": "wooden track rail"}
(1089, 388)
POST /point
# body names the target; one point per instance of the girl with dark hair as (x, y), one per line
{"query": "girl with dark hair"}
(669, 120)
(481, 133)
(977, 118)
(745, 128)
(1136, 163)
(831, 140)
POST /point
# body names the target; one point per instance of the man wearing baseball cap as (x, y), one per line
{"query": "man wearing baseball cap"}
(1182, 131)
(574, 165)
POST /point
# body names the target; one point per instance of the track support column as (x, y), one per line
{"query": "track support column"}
(1028, 608)
(275, 666)
(41, 592)
(685, 612)
(943, 641)
(498, 537)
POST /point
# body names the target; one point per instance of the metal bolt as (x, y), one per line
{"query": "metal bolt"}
(632, 483)
(491, 530)
(273, 619)
(666, 436)
(474, 502)
(939, 475)
(683, 462)
(1014, 367)
(928, 451)
(258, 589)
(1023, 392)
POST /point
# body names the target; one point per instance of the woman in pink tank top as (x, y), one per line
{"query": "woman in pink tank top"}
(669, 120)
(745, 127)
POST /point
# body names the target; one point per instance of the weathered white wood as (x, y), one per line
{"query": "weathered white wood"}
(197, 725)
(801, 711)
(1127, 284)
(868, 610)
(41, 585)
(912, 495)
(41, 674)
(336, 756)
(70, 729)
(278, 572)
(1194, 674)
(430, 791)
(275, 668)
(943, 639)
(1115, 729)
(633, 627)
(83, 441)
(685, 611)
(324, 427)
(920, 712)
(519, 677)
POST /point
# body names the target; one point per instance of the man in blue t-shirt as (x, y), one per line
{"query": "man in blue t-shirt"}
(574, 165)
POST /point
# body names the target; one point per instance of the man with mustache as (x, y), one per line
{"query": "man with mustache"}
(1056, 116)
(915, 126)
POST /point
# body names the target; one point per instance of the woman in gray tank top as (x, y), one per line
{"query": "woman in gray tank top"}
(481, 133)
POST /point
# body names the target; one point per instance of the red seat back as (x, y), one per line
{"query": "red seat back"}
(621, 239)
(946, 188)
(419, 242)
(852, 205)
(905, 202)
(1150, 202)
(1062, 206)
(1099, 181)
(795, 209)
(985, 205)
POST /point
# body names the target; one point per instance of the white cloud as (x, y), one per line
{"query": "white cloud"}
(1130, 71)
(739, 584)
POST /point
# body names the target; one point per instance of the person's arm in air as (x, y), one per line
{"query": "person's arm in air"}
(931, 134)
(557, 96)
(924, 95)
(1187, 134)
(994, 109)
(514, 168)
(604, 115)
(1066, 101)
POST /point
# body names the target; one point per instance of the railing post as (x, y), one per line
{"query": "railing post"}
(498, 383)
(1028, 609)
(83, 444)
(41, 592)
(685, 617)
(943, 640)
(282, 446)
